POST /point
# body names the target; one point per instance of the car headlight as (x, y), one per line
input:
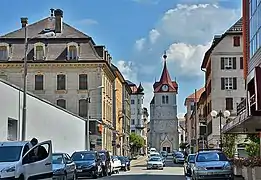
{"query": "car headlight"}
(227, 166)
(200, 168)
(8, 169)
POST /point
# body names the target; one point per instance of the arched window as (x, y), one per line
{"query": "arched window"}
(61, 103)
(39, 52)
(167, 99)
(72, 52)
(163, 99)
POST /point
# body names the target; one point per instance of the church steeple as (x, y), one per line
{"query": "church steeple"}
(165, 78)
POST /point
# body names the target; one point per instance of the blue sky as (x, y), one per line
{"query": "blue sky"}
(136, 32)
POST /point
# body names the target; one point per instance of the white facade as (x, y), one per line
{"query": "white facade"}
(164, 122)
(44, 121)
(182, 131)
(137, 120)
(219, 96)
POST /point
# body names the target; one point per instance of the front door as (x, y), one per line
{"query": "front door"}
(37, 162)
(164, 149)
(168, 149)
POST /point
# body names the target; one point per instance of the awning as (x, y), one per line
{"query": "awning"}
(243, 124)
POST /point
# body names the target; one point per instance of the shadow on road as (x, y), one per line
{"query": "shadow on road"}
(148, 177)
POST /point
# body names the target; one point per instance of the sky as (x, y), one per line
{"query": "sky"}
(137, 32)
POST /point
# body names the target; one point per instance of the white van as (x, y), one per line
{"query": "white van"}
(18, 160)
(153, 150)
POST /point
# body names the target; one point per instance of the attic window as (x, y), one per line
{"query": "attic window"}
(3, 53)
(72, 51)
(39, 51)
(236, 41)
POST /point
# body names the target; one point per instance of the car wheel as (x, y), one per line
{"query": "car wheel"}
(95, 174)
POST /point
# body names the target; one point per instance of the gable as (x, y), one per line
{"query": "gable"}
(35, 29)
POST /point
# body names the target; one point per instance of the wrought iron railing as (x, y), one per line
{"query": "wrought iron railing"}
(241, 106)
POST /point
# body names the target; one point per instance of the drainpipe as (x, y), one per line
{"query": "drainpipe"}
(206, 124)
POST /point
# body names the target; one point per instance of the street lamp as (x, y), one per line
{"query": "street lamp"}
(220, 114)
(24, 22)
(87, 122)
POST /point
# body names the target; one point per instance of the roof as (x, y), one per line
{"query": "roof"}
(117, 73)
(34, 30)
(165, 79)
(134, 88)
(192, 96)
(236, 28)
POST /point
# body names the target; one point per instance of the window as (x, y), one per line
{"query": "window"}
(61, 82)
(163, 100)
(38, 82)
(241, 63)
(133, 121)
(83, 82)
(236, 41)
(229, 83)
(132, 101)
(228, 62)
(132, 131)
(138, 101)
(167, 99)
(83, 108)
(72, 52)
(3, 53)
(61, 103)
(12, 130)
(39, 52)
(229, 103)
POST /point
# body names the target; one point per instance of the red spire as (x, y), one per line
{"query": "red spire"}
(165, 78)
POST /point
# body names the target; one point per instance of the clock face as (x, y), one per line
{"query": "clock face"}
(165, 88)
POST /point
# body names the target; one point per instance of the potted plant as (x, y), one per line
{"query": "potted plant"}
(238, 166)
(246, 169)
(256, 168)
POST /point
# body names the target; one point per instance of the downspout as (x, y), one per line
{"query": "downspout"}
(19, 115)
(207, 123)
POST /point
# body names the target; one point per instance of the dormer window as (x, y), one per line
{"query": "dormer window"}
(4, 52)
(72, 53)
(39, 51)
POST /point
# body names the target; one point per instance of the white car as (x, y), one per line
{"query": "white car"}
(19, 161)
(155, 163)
(116, 164)
(154, 154)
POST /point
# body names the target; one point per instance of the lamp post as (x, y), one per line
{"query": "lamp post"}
(87, 122)
(220, 114)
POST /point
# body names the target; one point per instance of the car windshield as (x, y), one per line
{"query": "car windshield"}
(10, 153)
(57, 159)
(155, 159)
(191, 158)
(211, 156)
(81, 156)
(180, 156)
(122, 159)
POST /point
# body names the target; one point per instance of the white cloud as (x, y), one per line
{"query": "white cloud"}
(187, 58)
(154, 35)
(139, 44)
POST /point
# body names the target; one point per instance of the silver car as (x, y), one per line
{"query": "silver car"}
(212, 164)
(179, 158)
(155, 163)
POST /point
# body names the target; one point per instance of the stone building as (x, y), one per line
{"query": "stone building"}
(164, 135)
(64, 65)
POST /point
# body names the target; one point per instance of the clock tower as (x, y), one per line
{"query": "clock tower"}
(164, 134)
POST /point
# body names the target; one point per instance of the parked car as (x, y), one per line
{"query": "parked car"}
(124, 163)
(116, 164)
(155, 163)
(212, 164)
(106, 162)
(88, 163)
(179, 158)
(164, 153)
(188, 164)
(63, 167)
(154, 154)
(19, 160)
(163, 160)
(128, 161)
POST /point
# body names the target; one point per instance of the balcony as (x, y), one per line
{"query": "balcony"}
(139, 126)
(241, 106)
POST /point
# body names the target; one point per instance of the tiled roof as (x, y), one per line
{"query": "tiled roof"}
(237, 27)
(35, 30)
(192, 96)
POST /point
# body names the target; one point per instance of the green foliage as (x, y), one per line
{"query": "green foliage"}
(254, 138)
(252, 149)
(136, 140)
(229, 144)
(183, 145)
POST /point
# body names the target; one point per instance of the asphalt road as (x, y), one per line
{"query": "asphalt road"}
(139, 172)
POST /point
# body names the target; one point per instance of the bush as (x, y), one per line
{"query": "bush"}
(252, 149)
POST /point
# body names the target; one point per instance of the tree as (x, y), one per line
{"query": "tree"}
(229, 144)
(136, 141)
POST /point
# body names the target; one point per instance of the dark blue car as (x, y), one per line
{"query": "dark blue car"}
(88, 163)
(125, 163)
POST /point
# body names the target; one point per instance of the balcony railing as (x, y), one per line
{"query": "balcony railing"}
(140, 126)
(252, 100)
(241, 106)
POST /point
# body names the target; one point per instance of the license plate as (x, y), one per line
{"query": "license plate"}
(79, 170)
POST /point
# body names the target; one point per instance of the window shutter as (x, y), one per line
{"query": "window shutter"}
(235, 83)
(222, 63)
(241, 63)
(234, 63)
(222, 83)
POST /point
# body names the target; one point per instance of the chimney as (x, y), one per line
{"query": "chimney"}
(52, 11)
(58, 13)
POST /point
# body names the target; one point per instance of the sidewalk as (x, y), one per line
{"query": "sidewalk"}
(139, 160)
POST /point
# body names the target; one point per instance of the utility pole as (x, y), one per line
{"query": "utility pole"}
(24, 22)
(87, 123)
(195, 123)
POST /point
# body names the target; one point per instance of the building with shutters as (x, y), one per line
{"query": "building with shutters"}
(224, 78)
(64, 64)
